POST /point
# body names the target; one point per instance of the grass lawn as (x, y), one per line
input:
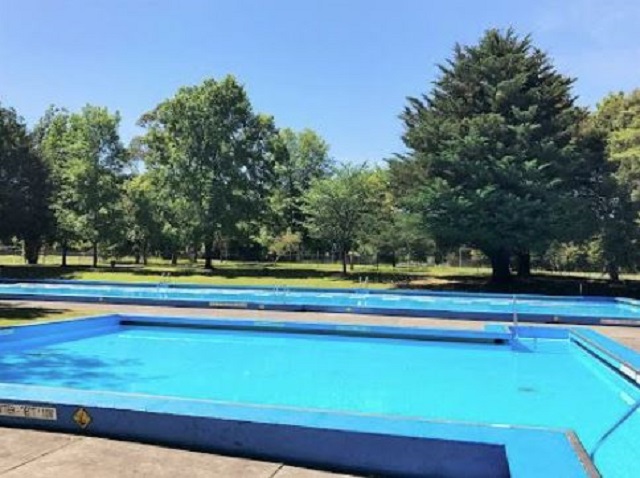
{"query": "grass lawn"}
(321, 275)
(225, 273)
(251, 273)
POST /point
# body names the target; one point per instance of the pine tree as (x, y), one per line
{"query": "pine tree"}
(492, 157)
(24, 186)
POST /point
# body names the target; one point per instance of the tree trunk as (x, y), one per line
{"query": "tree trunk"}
(613, 271)
(524, 264)
(94, 246)
(174, 258)
(31, 250)
(208, 255)
(500, 270)
(63, 252)
(137, 257)
(344, 262)
(394, 260)
(144, 254)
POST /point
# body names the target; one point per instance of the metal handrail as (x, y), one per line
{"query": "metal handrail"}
(613, 428)
(515, 317)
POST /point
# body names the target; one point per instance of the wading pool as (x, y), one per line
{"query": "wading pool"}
(522, 402)
(529, 308)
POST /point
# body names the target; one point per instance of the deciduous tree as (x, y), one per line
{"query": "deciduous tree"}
(338, 208)
(305, 158)
(88, 161)
(617, 120)
(215, 154)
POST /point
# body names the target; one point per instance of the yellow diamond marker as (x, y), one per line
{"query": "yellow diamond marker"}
(82, 418)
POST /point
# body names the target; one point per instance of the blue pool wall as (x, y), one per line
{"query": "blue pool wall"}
(611, 347)
(338, 450)
(540, 318)
(352, 290)
(36, 335)
(351, 443)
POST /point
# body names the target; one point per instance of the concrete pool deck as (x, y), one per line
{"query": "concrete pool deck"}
(26, 453)
(33, 454)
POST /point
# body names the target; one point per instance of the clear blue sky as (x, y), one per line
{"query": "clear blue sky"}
(341, 67)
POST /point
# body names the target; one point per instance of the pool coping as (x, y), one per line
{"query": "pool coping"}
(400, 291)
(323, 421)
(625, 360)
(540, 318)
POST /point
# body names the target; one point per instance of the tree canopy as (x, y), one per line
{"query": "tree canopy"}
(491, 149)
(619, 116)
(24, 186)
(215, 154)
(339, 207)
(617, 119)
(88, 162)
(499, 159)
(305, 158)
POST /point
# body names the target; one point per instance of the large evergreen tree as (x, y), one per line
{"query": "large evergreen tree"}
(24, 186)
(492, 158)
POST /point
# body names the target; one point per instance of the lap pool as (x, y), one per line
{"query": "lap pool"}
(525, 402)
(529, 308)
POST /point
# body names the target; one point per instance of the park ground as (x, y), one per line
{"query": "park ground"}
(285, 274)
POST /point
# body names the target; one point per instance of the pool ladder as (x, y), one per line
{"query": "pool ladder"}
(363, 284)
(514, 327)
(282, 291)
(613, 428)
(163, 285)
(363, 289)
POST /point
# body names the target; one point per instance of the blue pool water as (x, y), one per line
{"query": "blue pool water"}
(542, 383)
(457, 305)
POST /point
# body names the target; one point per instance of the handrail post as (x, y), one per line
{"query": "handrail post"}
(515, 317)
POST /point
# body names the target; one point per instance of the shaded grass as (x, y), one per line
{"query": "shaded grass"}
(264, 274)
(442, 278)
(540, 283)
(17, 314)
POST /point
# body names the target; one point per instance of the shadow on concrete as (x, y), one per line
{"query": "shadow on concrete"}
(20, 313)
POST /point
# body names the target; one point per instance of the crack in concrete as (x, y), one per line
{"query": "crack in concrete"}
(42, 455)
(280, 467)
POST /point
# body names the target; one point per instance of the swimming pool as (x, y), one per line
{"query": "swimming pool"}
(529, 308)
(360, 399)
